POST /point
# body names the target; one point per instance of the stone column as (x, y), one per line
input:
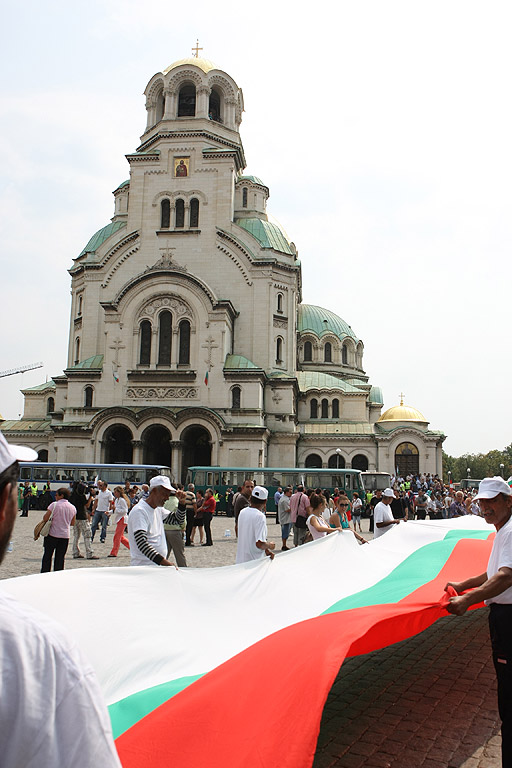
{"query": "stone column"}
(151, 115)
(170, 104)
(202, 101)
(229, 113)
(175, 345)
(176, 456)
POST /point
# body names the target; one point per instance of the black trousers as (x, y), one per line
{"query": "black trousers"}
(500, 628)
(59, 546)
(207, 520)
(190, 525)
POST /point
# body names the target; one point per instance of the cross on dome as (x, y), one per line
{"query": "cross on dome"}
(196, 50)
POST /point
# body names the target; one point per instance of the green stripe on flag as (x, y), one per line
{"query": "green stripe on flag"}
(128, 711)
(420, 567)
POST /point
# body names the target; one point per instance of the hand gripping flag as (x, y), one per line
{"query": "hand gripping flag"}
(232, 645)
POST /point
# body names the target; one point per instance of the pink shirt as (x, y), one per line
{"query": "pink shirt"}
(299, 503)
(63, 513)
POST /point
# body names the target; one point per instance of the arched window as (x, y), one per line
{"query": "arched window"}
(279, 350)
(360, 462)
(328, 352)
(313, 461)
(214, 106)
(77, 350)
(325, 408)
(336, 461)
(335, 408)
(313, 409)
(236, 394)
(194, 212)
(180, 214)
(50, 405)
(244, 197)
(308, 352)
(88, 397)
(164, 342)
(80, 298)
(187, 101)
(160, 106)
(279, 302)
(145, 343)
(165, 214)
(42, 455)
(344, 355)
(184, 351)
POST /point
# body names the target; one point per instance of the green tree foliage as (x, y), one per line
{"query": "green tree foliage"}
(480, 465)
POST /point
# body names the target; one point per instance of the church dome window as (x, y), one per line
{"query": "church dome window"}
(184, 343)
(308, 352)
(145, 343)
(280, 302)
(165, 214)
(77, 350)
(164, 340)
(160, 107)
(194, 213)
(180, 213)
(335, 408)
(88, 393)
(328, 352)
(325, 408)
(214, 106)
(236, 397)
(313, 409)
(50, 405)
(187, 101)
(80, 302)
(244, 197)
(344, 354)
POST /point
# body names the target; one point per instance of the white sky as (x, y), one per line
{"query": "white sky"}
(383, 130)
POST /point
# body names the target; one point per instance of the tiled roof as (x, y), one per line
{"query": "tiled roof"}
(315, 380)
(321, 321)
(238, 362)
(268, 233)
(40, 387)
(92, 363)
(101, 235)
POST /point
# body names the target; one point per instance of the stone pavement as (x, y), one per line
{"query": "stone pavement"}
(427, 702)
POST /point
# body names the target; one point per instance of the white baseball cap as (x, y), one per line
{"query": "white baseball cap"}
(162, 480)
(388, 492)
(491, 486)
(259, 493)
(11, 453)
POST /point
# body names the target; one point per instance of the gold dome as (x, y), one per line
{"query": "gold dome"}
(192, 61)
(402, 413)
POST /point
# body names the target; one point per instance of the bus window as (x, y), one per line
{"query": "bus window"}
(25, 473)
(41, 473)
(199, 478)
(312, 481)
(209, 478)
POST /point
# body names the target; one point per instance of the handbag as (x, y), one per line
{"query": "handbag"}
(300, 522)
(43, 527)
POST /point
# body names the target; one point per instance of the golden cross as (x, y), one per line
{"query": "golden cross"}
(196, 50)
(402, 398)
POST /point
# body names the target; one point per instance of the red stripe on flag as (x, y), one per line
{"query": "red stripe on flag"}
(247, 705)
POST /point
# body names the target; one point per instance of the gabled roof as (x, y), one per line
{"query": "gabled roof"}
(92, 363)
(40, 387)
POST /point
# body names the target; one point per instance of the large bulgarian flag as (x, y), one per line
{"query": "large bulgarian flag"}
(211, 667)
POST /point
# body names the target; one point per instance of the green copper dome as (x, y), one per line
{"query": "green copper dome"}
(321, 321)
(269, 234)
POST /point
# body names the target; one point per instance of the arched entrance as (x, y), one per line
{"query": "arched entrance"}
(42, 455)
(197, 449)
(407, 459)
(156, 446)
(118, 447)
(360, 462)
(336, 461)
(313, 461)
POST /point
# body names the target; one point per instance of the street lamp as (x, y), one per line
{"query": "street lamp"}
(449, 478)
(468, 470)
(502, 467)
(338, 455)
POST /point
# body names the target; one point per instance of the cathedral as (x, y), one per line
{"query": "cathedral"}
(189, 342)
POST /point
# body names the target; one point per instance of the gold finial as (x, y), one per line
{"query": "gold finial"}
(402, 398)
(196, 50)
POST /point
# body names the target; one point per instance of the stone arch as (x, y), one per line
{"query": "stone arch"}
(42, 454)
(407, 458)
(336, 461)
(88, 396)
(50, 405)
(222, 85)
(184, 77)
(197, 447)
(154, 86)
(117, 444)
(156, 445)
(359, 354)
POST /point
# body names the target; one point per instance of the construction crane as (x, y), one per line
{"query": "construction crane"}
(22, 369)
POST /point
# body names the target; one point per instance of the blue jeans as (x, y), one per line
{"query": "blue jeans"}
(99, 517)
(285, 530)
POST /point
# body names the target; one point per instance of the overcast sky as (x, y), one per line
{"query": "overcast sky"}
(383, 130)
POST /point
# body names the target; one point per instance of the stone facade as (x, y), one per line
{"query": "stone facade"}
(189, 343)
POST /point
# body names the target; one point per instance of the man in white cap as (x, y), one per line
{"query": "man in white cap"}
(494, 587)
(383, 517)
(146, 533)
(252, 529)
(51, 708)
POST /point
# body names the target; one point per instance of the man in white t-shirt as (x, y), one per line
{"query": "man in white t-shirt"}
(494, 587)
(383, 517)
(102, 505)
(146, 533)
(51, 708)
(252, 529)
